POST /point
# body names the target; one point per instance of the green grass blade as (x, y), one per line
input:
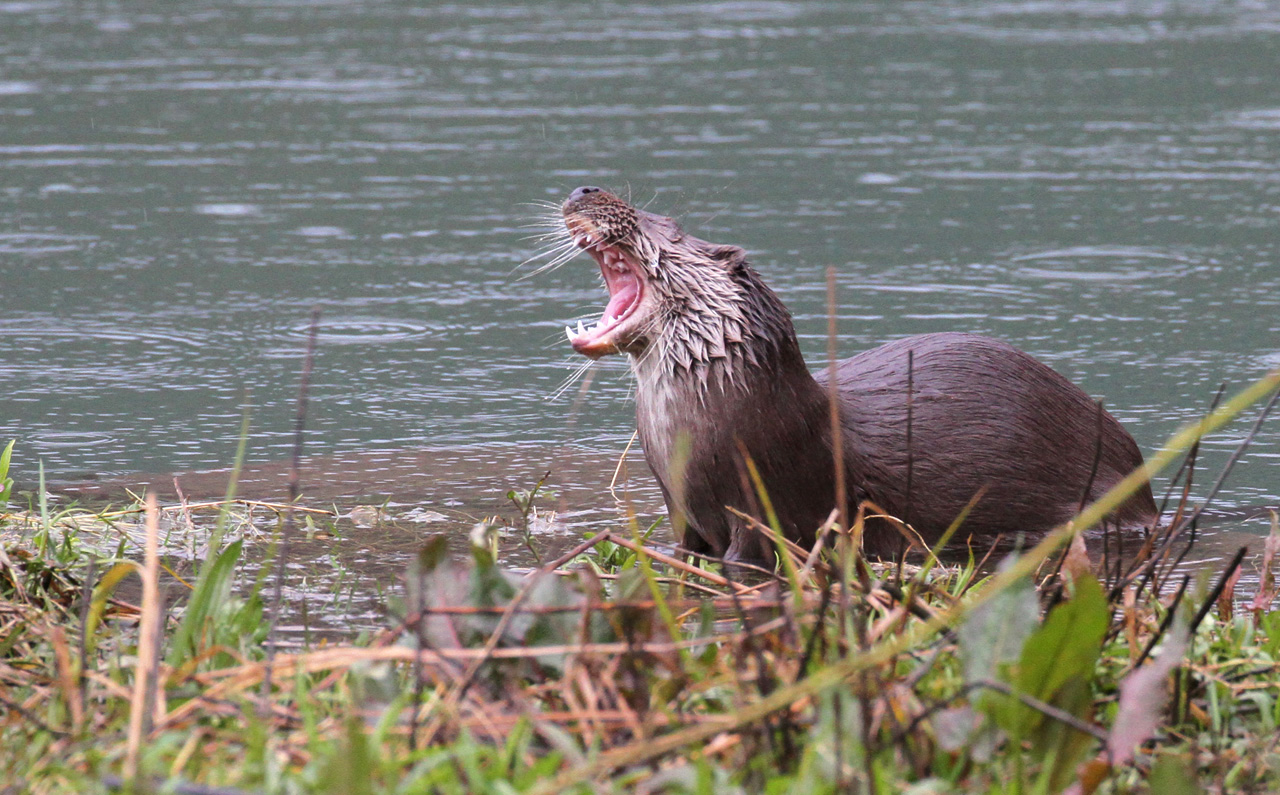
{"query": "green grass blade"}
(213, 587)
(6, 482)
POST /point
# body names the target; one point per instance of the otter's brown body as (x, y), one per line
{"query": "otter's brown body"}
(719, 375)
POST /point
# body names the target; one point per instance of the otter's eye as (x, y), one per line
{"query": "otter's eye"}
(585, 190)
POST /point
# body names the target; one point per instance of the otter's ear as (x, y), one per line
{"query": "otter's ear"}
(730, 257)
(661, 226)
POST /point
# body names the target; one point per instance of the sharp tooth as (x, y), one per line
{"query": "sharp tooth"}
(581, 329)
(569, 333)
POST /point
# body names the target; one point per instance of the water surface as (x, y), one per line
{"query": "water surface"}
(1096, 182)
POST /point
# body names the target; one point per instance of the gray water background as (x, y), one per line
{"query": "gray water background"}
(1097, 182)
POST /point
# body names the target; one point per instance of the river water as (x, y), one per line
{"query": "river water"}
(180, 184)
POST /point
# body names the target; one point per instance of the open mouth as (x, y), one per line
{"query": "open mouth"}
(625, 291)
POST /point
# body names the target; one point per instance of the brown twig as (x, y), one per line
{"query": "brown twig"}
(607, 535)
(833, 402)
(295, 477)
(1217, 589)
(1049, 710)
(679, 565)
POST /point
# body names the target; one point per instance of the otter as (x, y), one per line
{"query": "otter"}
(720, 379)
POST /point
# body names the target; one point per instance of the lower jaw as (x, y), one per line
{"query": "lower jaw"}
(596, 348)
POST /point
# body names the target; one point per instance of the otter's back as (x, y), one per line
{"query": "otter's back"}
(984, 415)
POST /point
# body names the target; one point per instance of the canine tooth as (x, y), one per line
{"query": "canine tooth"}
(569, 333)
(581, 329)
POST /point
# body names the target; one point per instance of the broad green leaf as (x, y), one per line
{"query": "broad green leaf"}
(995, 632)
(1067, 644)
(1174, 775)
(101, 593)
(213, 587)
(1057, 665)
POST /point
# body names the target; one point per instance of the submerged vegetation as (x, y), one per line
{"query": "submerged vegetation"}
(617, 667)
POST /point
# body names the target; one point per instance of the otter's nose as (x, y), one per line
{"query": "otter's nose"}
(585, 190)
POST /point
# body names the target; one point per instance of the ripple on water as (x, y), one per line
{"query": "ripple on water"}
(46, 440)
(79, 331)
(1256, 119)
(1103, 264)
(42, 242)
(14, 87)
(872, 178)
(360, 331)
(321, 231)
(228, 209)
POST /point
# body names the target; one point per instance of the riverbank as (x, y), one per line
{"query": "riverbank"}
(617, 668)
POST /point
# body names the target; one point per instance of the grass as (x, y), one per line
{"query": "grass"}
(620, 668)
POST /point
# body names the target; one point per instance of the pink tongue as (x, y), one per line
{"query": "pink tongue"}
(623, 290)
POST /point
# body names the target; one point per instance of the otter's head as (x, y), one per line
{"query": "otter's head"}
(689, 304)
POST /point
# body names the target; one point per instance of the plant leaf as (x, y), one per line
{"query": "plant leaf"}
(1067, 645)
(1076, 563)
(1142, 697)
(102, 591)
(1266, 587)
(995, 632)
(212, 588)
(1174, 775)
(6, 483)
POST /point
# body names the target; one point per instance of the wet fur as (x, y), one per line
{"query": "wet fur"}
(719, 373)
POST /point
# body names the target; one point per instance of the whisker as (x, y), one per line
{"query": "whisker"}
(559, 255)
(545, 230)
(550, 237)
(579, 370)
(557, 246)
(553, 247)
(545, 212)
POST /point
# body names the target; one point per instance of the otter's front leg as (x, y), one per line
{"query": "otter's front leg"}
(748, 545)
